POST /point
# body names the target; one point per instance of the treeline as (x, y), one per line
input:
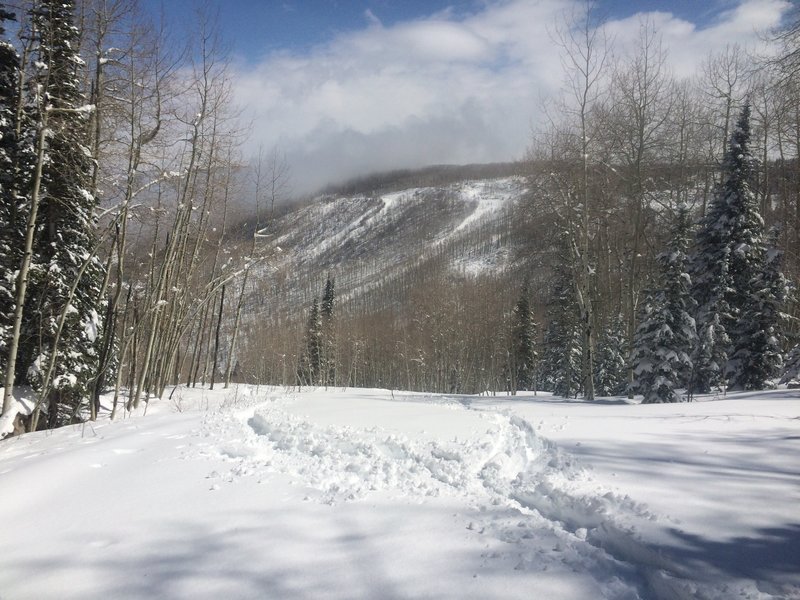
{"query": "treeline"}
(650, 187)
(433, 176)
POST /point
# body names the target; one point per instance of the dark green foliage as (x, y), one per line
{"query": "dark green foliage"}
(65, 246)
(522, 355)
(328, 299)
(666, 333)
(328, 335)
(791, 368)
(611, 368)
(728, 253)
(308, 372)
(12, 214)
(561, 359)
(757, 355)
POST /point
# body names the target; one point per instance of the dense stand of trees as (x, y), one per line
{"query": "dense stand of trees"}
(119, 172)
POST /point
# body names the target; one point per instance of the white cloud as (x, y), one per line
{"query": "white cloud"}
(444, 89)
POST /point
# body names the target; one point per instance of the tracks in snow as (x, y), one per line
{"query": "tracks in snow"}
(524, 489)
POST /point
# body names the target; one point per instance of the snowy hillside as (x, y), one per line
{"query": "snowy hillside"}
(268, 493)
(370, 241)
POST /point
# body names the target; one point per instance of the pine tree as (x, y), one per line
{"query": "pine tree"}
(728, 254)
(757, 356)
(522, 354)
(328, 299)
(611, 371)
(328, 342)
(644, 354)
(12, 218)
(666, 333)
(791, 368)
(66, 276)
(308, 372)
(561, 360)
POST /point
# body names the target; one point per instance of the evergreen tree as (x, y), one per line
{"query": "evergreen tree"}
(757, 356)
(666, 333)
(328, 343)
(711, 351)
(12, 218)
(612, 369)
(561, 360)
(644, 354)
(523, 354)
(791, 368)
(328, 299)
(728, 253)
(308, 372)
(66, 276)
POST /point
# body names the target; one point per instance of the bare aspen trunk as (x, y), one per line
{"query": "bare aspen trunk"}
(22, 278)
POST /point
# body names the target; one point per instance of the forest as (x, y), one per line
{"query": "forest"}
(654, 251)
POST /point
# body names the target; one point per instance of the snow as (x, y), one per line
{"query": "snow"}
(273, 493)
(490, 196)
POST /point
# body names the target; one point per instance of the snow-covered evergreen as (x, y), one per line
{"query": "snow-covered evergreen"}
(757, 352)
(523, 345)
(560, 366)
(666, 333)
(328, 334)
(12, 215)
(66, 275)
(728, 253)
(309, 369)
(791, 367)
(611, 368)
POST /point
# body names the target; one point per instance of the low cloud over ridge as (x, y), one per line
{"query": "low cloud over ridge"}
(449, 88)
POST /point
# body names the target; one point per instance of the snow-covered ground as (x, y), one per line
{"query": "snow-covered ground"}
(268, 493)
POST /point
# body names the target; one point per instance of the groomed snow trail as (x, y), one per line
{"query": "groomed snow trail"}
(524, 491)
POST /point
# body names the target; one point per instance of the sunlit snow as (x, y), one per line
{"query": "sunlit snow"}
(274, 493)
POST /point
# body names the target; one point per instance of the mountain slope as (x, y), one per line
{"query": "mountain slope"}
(370, 241)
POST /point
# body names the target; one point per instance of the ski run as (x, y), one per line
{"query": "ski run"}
(263, 492)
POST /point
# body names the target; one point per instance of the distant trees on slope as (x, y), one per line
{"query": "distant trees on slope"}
(642, 235)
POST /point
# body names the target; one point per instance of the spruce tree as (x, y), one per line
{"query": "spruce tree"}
(757, 355)
(611, 370)
(562, 353)
(328, 341)
(12, 217)
(66, 276)
(644, 354)
(666, 333)
(328, 299)
(308, 372)
(523, 354)
(728, 253)
(791, 368)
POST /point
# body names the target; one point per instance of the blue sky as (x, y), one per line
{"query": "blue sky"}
(347, 87)
(257, 27)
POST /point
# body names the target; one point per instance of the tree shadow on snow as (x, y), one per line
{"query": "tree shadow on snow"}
(772, 555)
(316, 553)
